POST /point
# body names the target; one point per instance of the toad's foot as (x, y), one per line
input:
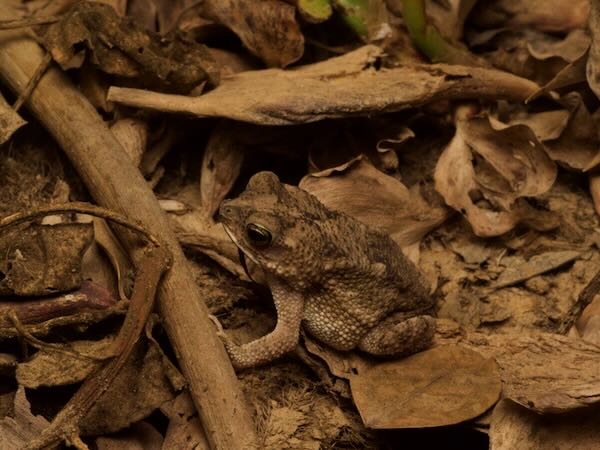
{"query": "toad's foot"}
(398, 335)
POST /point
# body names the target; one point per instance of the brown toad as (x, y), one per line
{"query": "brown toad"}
(349, 285)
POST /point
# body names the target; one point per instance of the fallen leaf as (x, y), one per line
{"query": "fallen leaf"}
(348, 85)
(141, 387)
(50, 367)
(484, 173)
(536, 265)
(43, 259)
(221, 164)
(174, 64)
(18, 430)
(513, 427)
(545, 15)
(441, 386)
(546, 373)
(267, 28)
(359, 190)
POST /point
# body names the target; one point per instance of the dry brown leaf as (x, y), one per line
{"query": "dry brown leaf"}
(578, 147)
(441, 386)
(546, 125)
(547, 373)
(359, 190)
(119, 48)
(10, 121)
(545, 15)
(572, 74)
(536, 265)
(572, 47)
(141, 387)
(483, 173)
(50, 367)
(43, 259)
(267, 28)
(348, 85)
(513, 427)
(221, 164)
(18, 430)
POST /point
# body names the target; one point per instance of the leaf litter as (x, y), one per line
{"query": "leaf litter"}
(484, 170)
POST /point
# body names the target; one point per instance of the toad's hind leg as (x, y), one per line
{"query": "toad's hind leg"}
(398, 335)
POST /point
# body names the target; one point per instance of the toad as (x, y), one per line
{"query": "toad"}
(347, 284)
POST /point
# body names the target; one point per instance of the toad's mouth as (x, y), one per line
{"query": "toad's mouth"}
(243, 251)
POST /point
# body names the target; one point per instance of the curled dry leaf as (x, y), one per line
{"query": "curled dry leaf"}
(514, 427)
(348, 85)
(483, 173)
(358, 189)
(221, 164)
(10, 121)
(172, 64)
(572, 47)
(578, 147)
(441, 386)
(267, 28)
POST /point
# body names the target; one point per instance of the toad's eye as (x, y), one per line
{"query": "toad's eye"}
(258, 235)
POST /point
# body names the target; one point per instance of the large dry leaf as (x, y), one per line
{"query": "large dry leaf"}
(513, 427)
(43, 259)
(118, 47)
(379, 200)
(348, 85)
(141, 387)
(442, 386)
(483, 173)
(17, 431)
(50, 367)
(547, 373)
(268, 28)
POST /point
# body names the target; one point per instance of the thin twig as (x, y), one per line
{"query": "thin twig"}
(33, 81)
(28, 22)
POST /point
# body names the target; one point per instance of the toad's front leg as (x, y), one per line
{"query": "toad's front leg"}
(281, 340)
